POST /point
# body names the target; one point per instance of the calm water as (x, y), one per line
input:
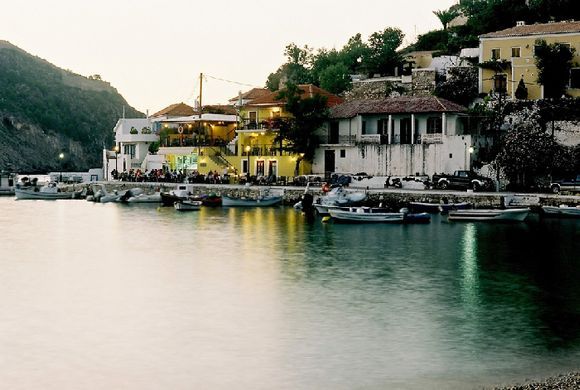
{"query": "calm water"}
(120, 297)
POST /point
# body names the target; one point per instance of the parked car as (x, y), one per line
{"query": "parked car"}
(463, 180)
(571, 184)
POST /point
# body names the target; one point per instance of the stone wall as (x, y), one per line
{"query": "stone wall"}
(423, 82)
(567, 132)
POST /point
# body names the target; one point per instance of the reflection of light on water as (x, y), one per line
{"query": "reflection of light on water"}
(470, 280)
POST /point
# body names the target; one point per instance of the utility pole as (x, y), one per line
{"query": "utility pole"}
(200, 93)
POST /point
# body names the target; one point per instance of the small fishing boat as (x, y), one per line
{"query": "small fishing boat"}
(261, 201)
(514, 215)
(181, 192)
(211, 200)
(145, 198)
(365, 214)
(562, 211)
(187, 205)
(417, 218)
(49, 191)
(322, 209)
(437, 207)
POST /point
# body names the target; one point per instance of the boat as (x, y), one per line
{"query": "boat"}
(50, 191)
(365, 214)
(562, 211)
(323, 209)
(417, 217)
(262, 201)
(338, 196)
(7, 181)
(514, 215)
(182, 192)
(187, 205)
(437, 207)
(211, 200)
(145, 198)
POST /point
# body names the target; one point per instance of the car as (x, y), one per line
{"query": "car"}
(462, 180)
(570, 184)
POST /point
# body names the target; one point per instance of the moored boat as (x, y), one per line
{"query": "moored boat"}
(7, 181)
(562, 211)
(514, 215)
(365, 214)
(145, 198)
(48, 192)
(437, 207)
(187, 205)
(262, 201)
(417, 218)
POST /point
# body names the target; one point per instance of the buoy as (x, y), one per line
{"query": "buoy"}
(325, 219)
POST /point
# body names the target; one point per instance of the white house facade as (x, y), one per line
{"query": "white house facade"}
(399, 136)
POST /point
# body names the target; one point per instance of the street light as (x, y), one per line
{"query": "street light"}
(248, 148)
(116, 149)
(61, 157)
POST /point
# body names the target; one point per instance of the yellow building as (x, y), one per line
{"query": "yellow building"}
(259, 124)
(513, 48)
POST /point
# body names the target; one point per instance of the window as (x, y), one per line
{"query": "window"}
(129, 150)
(500, 83)
(515, 52)
(260, 168)
(434, 125)
(364, 127)
(495, 54)
(333, 137)
(575, 78)
(342, 153)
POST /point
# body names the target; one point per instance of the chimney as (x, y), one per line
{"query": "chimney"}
(520, 23)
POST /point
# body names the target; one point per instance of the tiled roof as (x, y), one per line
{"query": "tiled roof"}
(396, 105)
(307, 90)
(253, 93)
(178, 109)
(536, 29)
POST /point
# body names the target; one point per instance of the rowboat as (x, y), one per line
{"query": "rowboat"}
(437, 207)
(514, 215)
(262, 201)
(561, 211)
(365, 214)
(187, 205)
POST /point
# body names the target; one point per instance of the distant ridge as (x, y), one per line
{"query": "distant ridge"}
(46, 110)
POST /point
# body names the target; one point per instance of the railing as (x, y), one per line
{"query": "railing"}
(191, 140)
(436, 138)
(374, 138)
(342, 140)
(265, 150)
(261, 124)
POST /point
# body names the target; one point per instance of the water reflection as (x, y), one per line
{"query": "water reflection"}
(234, 298)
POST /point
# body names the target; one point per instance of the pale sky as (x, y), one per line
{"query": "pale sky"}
(152, 51)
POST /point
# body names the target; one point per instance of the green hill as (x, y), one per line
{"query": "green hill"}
(45, 110)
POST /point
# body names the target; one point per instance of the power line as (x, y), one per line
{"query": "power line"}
(231, 81)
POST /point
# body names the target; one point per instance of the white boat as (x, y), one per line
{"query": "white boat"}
(261, 201)
(187, 205)
(49, 191)
(489, 215)
(561, 211)
(338, 196)
(365, 214)
(322, 209)
(145, 198)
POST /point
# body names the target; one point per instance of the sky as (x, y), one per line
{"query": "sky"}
(152, 51)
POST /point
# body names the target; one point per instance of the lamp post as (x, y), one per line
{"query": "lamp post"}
(116, 149)
(248, 148)
(60, 157)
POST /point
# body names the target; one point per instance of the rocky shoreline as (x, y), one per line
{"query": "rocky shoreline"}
(567, 381)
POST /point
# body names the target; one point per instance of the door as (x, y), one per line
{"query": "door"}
(272, 168)
(405, 129)
(253, 120)
(329, 162)
(260, 168)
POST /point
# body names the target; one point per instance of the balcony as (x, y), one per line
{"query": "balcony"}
(261, 124)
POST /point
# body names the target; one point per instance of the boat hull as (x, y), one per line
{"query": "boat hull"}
(364, 215)
(561, 211)
(510, 215)
(260, 202)
(437, 207)
(29, 194)
(187, 205)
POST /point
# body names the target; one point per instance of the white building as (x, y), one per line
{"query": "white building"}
(132, 140)
(394, 137)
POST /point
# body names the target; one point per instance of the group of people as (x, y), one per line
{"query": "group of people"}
(170, 176)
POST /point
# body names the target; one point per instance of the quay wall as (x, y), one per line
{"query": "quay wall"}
(390, 197)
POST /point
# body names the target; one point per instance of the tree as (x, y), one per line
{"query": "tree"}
(521, 90)
(446, 16)
(554, 62)
(382, 57)
(298, 135)
(460, 86)
(335, 78)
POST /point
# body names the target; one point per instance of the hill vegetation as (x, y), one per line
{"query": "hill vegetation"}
(45, 110)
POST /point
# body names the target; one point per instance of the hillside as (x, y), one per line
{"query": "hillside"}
(45, 110)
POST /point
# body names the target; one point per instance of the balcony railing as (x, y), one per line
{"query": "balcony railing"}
(374, 139)
(261, 124)
(342, 140)
(436, 138)
(265, 150)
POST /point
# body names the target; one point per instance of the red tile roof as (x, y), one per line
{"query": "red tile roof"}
(178, 109)
(253, 93)
(536, 29)
(397, 105)
(307, 90)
